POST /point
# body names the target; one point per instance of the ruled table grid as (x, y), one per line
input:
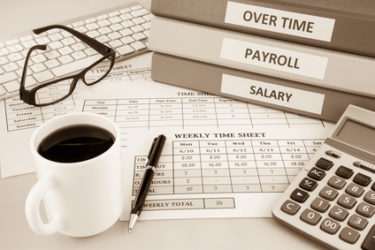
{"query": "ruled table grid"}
(227, 166)
(185, 112)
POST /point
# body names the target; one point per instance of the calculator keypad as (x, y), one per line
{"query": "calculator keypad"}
(341, 202)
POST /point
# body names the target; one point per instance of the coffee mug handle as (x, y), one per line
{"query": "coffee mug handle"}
(33, 201)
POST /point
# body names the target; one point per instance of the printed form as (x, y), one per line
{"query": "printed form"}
(215, 173)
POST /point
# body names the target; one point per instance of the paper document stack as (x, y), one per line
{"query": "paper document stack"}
(311, 58)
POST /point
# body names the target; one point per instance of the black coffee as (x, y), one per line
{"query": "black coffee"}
(76, 143)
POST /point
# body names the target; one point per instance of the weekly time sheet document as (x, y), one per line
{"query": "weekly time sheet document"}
(212, 173)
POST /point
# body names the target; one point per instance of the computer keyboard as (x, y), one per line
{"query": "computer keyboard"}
(124, 29)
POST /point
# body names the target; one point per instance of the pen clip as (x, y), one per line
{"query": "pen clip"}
(152, 148)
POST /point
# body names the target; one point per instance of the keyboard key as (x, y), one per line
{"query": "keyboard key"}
(336, 182)
(38, 67)
(365, 210)
(316, 174)
(127, 39)
(114, 13)
(139, 12)
(2, 91)
(124, 50)
(65, 51)
(290, 207)
(310, 217)
(324, 164)
(90, 51)
(92, 26)
(15, 57)
(82, 29)
(370, 197)
(103, 39)
(115, 43)
(357, 222)
(338, 213)
(4, 52)
(102, 17)
(90, 20)
(56, 37)
(29, 44)
(116, 27)
(43, 76)
(76, 65)
(138, 45)
(346, 201)
(137, 28)
(354, 190)
(349, 235)
(127, 24)
(126, 32)
(78, 46)
(104, 30)
(78, 55)
(93, 34)
(3, 60)
(139, 36)
(103, 23)
(115, 19)
(42, 40)
(10, 67)
(369, 242)
(79, 23)
(68, 41)
(330, 226)
(344, 172)
(66, 59)
(8, 77)
(139, 20)
(362, 179)
(320, 205)
(126, 10)
(126, 16)
(39, 58)
(328, 193)
(25, 38)
(114, 35)
(299, 195)
(52, 63)
(52, 54)
(11, 42)
(136, 7)
(308, 184)
(148, 17)
(12, 86)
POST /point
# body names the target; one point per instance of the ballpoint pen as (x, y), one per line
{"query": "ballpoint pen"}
(153, 159)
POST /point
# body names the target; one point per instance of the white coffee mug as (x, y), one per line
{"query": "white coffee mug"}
(80, 198)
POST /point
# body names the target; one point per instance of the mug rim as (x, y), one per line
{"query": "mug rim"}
(34, 150)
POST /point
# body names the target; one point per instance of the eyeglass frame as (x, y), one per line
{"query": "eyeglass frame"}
(29, 96)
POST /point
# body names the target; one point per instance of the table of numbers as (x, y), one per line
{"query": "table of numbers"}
(185, 112)
(227, 166)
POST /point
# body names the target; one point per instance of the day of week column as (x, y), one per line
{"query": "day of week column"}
(57, 109)
(312, 146)
(231, 112)
(266, 116)
(21, 115)
(215, 169)
(199, 111)
(243, 170)
(101, 107)
(294, 156)
(270, 166)
(165, 112)
(187, 168)
(132, 113)
(162, 183)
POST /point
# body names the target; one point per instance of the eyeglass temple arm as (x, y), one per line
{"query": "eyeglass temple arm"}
(25, 94)
(99, 47)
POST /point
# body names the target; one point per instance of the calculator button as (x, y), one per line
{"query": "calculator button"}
(354, 190)
(336, 182)
(310, 217)
(369, 242)
(338, 213)
(362, 179)
(328, 193)
(299, 195)
(324, 164)
(349, 235)
(370, 197)
(334, 154)
(346, 201)
(316, 174)
(290, 207)
(308, 184)
(330, 226)
(320, 205)
(365, 209)
(344, 172)
(357, 222)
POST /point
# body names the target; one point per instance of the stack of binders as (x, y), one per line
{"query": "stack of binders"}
(308, 57)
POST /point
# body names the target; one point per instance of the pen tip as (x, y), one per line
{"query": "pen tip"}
(129, 230)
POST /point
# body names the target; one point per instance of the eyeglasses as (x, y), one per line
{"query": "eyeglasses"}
(42, 95)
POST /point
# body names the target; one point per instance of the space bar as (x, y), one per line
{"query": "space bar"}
(76, 65)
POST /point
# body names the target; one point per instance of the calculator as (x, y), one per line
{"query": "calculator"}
(332, 199)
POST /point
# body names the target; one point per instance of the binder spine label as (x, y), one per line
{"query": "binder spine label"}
(280, 21)
(274, 58)
(271, 93)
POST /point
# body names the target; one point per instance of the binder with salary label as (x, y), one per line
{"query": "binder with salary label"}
(305, 99)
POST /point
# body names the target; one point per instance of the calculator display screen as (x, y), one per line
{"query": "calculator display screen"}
(358, 135)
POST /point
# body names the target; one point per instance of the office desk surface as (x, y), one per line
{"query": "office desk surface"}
(244, 233)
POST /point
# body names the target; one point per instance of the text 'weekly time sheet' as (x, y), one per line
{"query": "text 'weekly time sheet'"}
(236, 172)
